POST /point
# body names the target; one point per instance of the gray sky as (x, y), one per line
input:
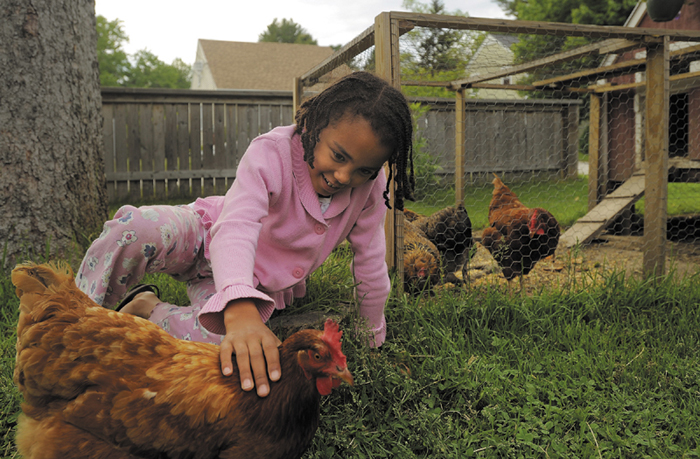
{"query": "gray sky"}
(170, 29)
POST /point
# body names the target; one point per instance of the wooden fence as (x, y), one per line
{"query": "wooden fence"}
(505, 136)
(187, 143)
(182, 143)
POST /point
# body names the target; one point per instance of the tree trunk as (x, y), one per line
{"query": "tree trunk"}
(52, 181)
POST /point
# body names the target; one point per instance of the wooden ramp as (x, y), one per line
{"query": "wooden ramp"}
(594, 222)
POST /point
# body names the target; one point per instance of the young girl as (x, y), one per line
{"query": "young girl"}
(299, 192)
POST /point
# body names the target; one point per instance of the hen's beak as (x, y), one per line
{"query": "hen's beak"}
(343, 374)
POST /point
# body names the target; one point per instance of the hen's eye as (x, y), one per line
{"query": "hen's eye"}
(317, 356)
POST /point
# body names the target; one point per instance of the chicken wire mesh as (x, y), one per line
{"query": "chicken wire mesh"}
(559, 114)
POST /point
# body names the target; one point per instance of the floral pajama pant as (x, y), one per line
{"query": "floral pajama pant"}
(152, 239)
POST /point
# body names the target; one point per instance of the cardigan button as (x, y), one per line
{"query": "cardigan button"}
(298, 273)
(319, 229)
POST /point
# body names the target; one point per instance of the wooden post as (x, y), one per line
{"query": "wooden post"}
(386, 53)
(297, 94)
(594, 152)
(604, 148)
(570, 116)
(460, 143)
(656, 148)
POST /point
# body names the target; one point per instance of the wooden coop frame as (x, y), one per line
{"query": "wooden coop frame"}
(389, 26)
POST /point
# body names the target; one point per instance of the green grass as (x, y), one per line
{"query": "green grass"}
(608, 371)
(605, 370)
(683, 199)
(9, 395)
(567, 200)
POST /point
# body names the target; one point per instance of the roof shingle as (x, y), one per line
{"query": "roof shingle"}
(262, 65)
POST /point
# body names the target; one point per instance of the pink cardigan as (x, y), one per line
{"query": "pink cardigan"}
(267, 234)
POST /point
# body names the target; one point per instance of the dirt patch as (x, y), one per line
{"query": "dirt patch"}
(581, 266)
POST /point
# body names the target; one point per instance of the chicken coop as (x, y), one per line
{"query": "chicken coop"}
(594, 123)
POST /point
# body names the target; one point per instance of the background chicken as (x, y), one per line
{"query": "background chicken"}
(103, 384)
(518, 236)
(450, 229)
(421, 260)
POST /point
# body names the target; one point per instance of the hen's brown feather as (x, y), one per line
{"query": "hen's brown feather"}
(450, 229)
(421, 260)
(518, 236)
(99, 383)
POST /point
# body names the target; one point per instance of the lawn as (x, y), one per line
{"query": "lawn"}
(608, 369)
(567, 200)
(604, 370)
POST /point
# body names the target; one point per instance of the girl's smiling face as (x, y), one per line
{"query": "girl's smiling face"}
(347, 154)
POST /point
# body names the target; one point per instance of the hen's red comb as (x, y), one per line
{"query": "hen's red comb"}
(331, 336)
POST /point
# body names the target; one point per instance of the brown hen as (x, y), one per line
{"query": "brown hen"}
(421, 260)
(518, 236)
(104, 384)
(450, 229)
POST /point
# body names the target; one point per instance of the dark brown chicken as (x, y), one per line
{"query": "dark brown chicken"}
(450, 229)
(518, 236)
(421, 261)
(103, 384)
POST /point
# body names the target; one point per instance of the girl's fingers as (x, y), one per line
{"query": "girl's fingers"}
(272, 357)
(225, 352)
(257, 364)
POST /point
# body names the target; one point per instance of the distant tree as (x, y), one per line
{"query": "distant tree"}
(435, 54)
(113, 60)
(597, 12)
(605, 12)
(287, 31)
(150, 72)
(439, 49)
(146, 71)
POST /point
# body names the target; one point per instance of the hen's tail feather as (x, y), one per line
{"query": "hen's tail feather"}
(498, 183)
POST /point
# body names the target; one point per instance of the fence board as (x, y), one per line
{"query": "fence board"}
(275, 116)
(159, 148)
(195, 159)
(108, 140)
(169, 149)
(242, 119)
(264, 117)
(146, 147)
(182, 187)
(287, 115)
(208, 147)
(134, 146)
(219, 160)
(234, 153)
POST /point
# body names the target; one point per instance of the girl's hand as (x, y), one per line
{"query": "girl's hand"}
(253, 343)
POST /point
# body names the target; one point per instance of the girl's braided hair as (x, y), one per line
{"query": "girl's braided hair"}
(383, 106)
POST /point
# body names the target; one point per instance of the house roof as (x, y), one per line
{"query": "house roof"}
(264, 66)
(505, 40)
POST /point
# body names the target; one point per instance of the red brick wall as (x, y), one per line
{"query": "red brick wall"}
(621, 136)
(621, 112)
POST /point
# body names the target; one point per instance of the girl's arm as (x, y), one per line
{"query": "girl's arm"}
(253, 343)
(368, 242)
(232, 250)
